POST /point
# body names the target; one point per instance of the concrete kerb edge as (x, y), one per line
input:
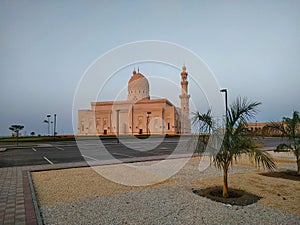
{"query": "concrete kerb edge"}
(58, 168)
(106, 163)
(34, 200)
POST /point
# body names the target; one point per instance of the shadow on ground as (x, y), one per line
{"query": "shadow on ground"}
(236, 197)
(290, 175)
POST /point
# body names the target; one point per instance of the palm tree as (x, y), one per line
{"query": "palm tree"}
(288, 128)
(205, 123)
(237, 139)
(16, 129)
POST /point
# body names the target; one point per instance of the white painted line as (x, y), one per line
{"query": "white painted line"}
(48, 160)
(90, 157)
(34, 149)
(123, 155)
(152, 153)
(59, 148)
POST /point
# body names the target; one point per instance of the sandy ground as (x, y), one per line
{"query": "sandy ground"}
(277, 193)
(68, 185)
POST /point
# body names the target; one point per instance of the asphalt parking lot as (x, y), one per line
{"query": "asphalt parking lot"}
(91, 150)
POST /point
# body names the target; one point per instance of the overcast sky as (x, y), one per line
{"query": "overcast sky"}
(253, 47)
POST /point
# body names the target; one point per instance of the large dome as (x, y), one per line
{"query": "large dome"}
(138, 87)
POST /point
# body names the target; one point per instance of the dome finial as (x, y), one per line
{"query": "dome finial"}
(134, 72)
(184, 67)
(138, 87)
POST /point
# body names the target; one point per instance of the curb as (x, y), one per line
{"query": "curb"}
(30, 215)
(34, 200)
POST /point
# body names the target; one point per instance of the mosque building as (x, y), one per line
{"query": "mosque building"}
(138, 115)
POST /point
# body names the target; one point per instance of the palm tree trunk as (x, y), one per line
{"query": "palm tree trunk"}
(298, 165)
(225, 181)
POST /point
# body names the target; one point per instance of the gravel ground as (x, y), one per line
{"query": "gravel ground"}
(170, 203)
(163, 205)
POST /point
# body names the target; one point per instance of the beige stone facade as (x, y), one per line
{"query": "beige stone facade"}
(259, 128)
(138, 115)
(256, 127)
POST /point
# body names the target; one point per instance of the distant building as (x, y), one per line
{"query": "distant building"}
(138, 115)
(256, 127)
(260, 128)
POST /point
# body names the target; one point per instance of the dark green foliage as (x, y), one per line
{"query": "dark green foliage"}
(237, 138)
(16, 129)
(288, 128)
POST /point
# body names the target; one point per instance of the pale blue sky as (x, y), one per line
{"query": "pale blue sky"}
(253, 47)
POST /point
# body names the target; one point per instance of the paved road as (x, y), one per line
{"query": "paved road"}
(271, 142)
(92, 150)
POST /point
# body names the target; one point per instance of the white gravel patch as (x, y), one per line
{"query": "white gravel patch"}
(171, 204)
(165, 205)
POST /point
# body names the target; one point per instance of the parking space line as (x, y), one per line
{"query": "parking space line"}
(34, 149)
(90, 157)
(151, 153)
(59, 148)
(131, 156)
(48, 160)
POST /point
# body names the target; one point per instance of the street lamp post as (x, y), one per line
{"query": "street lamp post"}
(48, 116)
(118, 124)
(148, 113)
(226, 104)
(54, 129)
(226, 108)
(256, 128)
(53, 125)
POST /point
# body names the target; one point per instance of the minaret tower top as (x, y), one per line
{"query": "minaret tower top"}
(184, 82)
(184, 98)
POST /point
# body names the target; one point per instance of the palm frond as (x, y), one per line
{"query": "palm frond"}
(284, 147)
(242, 110)
(221, 159)
(203, 121)
(291, 125)
(275, 127)
(262, 158)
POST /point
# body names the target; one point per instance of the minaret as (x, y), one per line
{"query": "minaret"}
(185, 109)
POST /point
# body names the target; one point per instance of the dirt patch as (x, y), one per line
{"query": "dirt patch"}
(290, 175)
(236, 197)
(275, 192)
(284, 161)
